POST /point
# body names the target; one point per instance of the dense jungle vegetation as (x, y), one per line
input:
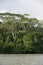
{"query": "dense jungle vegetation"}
(20, 34)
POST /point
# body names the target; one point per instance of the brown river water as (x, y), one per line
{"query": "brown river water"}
(21, 59)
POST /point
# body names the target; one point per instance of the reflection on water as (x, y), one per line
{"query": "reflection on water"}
(21, 59)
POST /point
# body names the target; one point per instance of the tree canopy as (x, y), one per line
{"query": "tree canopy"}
(20, 34)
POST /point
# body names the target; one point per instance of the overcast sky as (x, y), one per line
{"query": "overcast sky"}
(32, 7)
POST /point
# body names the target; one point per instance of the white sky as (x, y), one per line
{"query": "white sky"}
(32, 7)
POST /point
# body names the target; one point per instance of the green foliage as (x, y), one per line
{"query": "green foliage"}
(20, 35)
(8, 48)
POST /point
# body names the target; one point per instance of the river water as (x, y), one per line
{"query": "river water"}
(21, 59)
